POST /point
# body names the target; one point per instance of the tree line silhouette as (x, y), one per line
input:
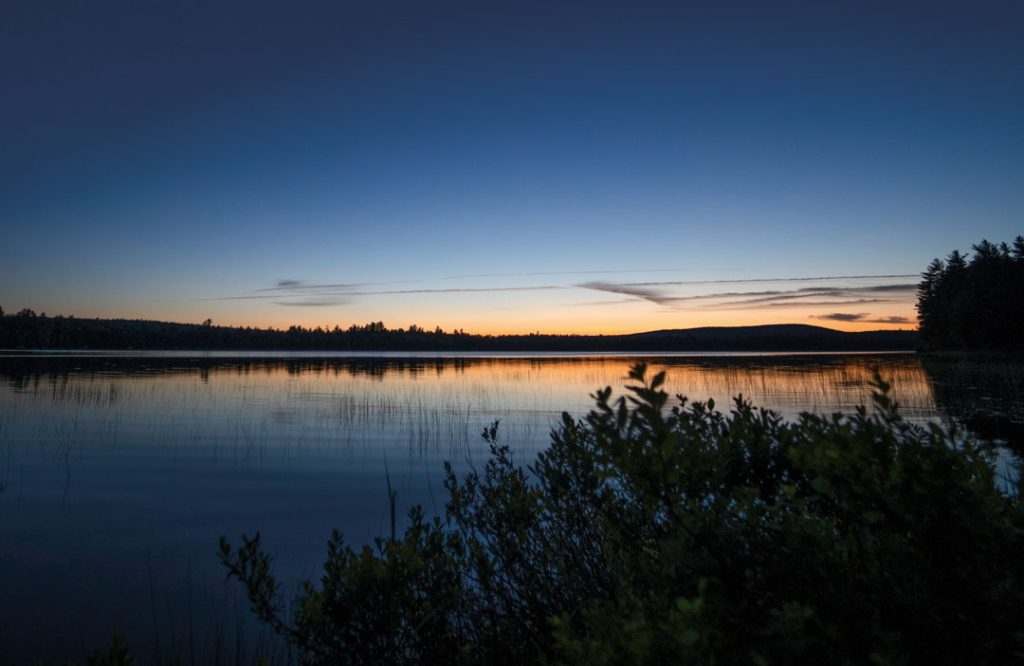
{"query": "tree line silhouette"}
(975, 303)
(27, 330)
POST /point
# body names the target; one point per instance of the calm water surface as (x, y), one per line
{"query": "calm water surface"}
(118, 474)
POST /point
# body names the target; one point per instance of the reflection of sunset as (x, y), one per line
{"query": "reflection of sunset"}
(445, 400)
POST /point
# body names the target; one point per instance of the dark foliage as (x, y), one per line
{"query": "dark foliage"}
(26, 330)
(976, 304)
(650, 534)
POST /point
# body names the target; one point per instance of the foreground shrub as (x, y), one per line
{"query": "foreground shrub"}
(655, 534)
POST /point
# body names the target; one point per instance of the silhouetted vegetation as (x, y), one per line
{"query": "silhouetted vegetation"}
(649, 534)
(976, 303)
(26, 330)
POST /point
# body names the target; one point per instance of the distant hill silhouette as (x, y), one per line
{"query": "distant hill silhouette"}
(26, 330)
(774, 337)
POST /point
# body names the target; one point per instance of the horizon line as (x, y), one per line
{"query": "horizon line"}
(910, 327)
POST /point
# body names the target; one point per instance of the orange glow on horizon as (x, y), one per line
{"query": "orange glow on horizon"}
(555, 313)
(553, 326)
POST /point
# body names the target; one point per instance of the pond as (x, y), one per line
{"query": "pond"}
(119, 472)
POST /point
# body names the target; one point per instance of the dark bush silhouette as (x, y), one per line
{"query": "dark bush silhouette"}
(649, 534)
(975, 304)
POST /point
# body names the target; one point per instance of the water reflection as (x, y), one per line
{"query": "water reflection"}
(118, 474)
(984, 395)
(787, 378)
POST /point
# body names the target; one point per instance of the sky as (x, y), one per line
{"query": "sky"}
(502, 167)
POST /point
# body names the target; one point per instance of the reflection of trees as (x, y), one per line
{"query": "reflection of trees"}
(782, 374)
(22, 371)
(980, 394)
(28, 373)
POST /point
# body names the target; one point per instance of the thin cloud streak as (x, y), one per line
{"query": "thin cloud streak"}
(856, 301)
(842, 316)
(545, 273)
(646, 293)
(313, 304)
(800, 294)
(790, 279)
(298, 285)
(650, 292)
(792, 304)
(385, 292)
(894, 319)
(862, 317)
(617, 301)
(456, 290)
(800, 299)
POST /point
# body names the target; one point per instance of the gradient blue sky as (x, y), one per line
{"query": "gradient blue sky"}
(502, 166)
